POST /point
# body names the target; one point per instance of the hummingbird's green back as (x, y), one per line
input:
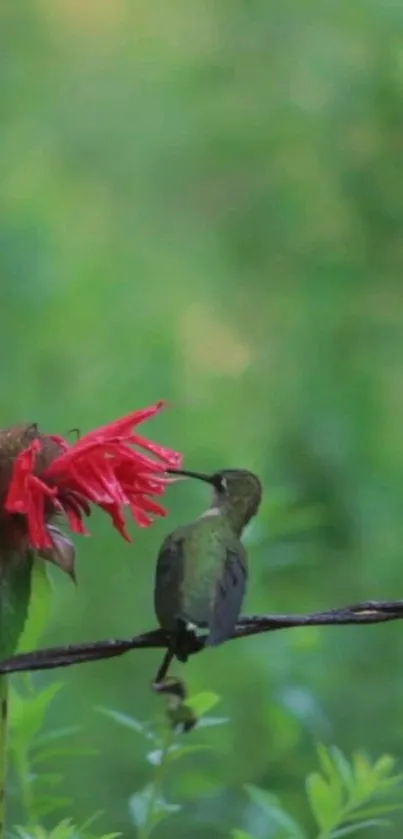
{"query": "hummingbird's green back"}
(201, 577)
(202, 567)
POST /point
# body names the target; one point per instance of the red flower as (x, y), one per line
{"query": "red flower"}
(50, 476)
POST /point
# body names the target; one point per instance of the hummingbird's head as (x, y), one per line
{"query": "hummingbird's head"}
(237, 492)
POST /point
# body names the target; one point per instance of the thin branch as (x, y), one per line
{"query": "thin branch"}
(369, 612)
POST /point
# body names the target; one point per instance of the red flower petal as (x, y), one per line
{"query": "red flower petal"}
(101, 468)
(74, 517)
(17, 497)
(122, 427)
(171, 458)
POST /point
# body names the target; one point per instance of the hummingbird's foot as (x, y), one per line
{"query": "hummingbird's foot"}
(164, 667)
(187, 640)
(198, 631)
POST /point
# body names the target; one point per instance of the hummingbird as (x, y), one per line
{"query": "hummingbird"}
(201, 572)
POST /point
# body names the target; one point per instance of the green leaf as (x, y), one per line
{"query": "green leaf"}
(46, 806)
(326, 763)
(64, 830)
(365, 780)
(274, 812)
(15, 591)
(57, 734)
(52, 779)
(161, 812)
(83, 828)
(325, 809)
(40, 607)
(184, 751)
(174, 752)
(139, 806)
(127, 721)
(354, 828)
(105, 836)
(330, 770)
(211, 722)
(155, 756)
(67, 751)
(372, 811)
(241, 834)
(343, 767)
(384, 766)
(202, 703)
(27, 715)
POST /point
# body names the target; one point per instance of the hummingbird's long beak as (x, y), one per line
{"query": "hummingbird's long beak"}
(185, 473)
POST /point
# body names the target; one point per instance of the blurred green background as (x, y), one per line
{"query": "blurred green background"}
(202, 202)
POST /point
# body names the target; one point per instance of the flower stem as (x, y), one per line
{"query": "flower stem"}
(156, 791)
(3, 750)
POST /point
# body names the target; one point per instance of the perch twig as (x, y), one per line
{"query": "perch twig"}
(369, 612)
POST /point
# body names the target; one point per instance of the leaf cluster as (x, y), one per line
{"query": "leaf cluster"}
(344, 797)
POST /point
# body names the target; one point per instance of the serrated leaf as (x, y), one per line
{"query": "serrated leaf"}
(202, 703)
(320, 796)
(40, 607)
(273, 810)
(27, 715)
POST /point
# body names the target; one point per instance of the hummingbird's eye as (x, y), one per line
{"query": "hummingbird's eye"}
(223, 484)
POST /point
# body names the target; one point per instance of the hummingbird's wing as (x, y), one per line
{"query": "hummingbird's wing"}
(168, 581)
(229, 594)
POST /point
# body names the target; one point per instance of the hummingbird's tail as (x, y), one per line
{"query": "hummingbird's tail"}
(217, 635)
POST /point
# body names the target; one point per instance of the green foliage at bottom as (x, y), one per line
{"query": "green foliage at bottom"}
(344, 797)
